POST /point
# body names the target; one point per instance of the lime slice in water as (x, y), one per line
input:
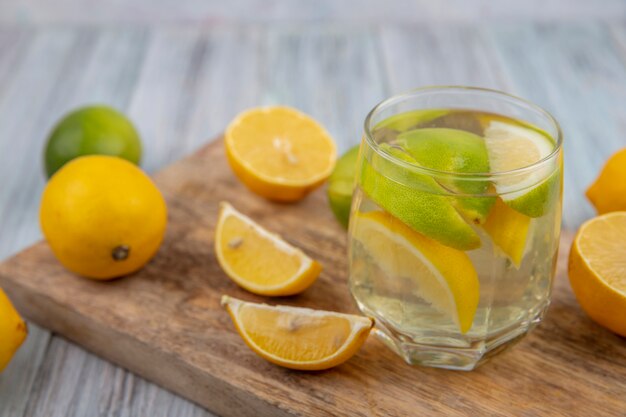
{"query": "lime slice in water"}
(416, 199)
(511, 147)
(456, 151)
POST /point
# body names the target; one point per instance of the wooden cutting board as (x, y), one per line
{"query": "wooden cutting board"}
(165, 323)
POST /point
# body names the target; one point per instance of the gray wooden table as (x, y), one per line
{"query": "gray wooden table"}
(182, 70)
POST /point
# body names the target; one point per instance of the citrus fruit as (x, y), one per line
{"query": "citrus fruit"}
(260, 261)
(509, 231)
(102, 216)
(91, 130)
(608, 192)
(511, 147)
(597, 268)
(416, 199)
(13, 330)
(341, 185)
(298, 338)
(279, 152)
(456, 151)
(443, 276)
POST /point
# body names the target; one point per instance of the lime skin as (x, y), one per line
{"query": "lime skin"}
(91, 130)
(341, 185)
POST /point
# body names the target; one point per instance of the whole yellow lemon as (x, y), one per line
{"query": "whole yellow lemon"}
(102, 216)
(608, 192)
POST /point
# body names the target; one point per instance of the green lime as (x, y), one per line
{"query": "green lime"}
(93, 130)
(341, 185)
(456, 151)
(416, 199)
(510, 147)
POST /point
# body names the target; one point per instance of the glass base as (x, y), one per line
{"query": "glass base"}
(455, 357)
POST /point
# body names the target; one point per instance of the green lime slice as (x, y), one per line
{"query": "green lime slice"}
(415, 199)
(455, 151)
(511, 147)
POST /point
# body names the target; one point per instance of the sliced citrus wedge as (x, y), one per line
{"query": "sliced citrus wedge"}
(279, 152)
(509, 231)
(298, 338)
(260, 261)
(511, 147)
(416, 199)
(443, 276)
(597, 270)
(453, 150)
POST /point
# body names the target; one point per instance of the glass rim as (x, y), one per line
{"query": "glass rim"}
(439, 173)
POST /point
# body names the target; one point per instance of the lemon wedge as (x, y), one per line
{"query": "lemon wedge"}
(509, 231)
(298, 338)
(443, 276)
(260, 261)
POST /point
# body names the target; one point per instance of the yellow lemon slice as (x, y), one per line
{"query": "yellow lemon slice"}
(260, 261)
(509, 231)
(597, 270)
(298, 338)
(279, 152)
(443, 276)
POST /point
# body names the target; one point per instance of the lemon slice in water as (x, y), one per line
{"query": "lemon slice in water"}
(444, 277)
(509, 231)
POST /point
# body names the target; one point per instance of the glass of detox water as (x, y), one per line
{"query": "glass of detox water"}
(455, 222)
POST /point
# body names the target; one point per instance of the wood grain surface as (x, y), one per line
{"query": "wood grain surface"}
(165, 324)
(181, 70)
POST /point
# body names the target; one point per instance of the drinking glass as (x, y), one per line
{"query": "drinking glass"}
(455, 222)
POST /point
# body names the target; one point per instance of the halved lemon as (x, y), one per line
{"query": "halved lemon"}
(509, 231)
(279, 152)
(597, 270)
(260, 261)
(298, 338)
(443, 276)
(512, 147)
